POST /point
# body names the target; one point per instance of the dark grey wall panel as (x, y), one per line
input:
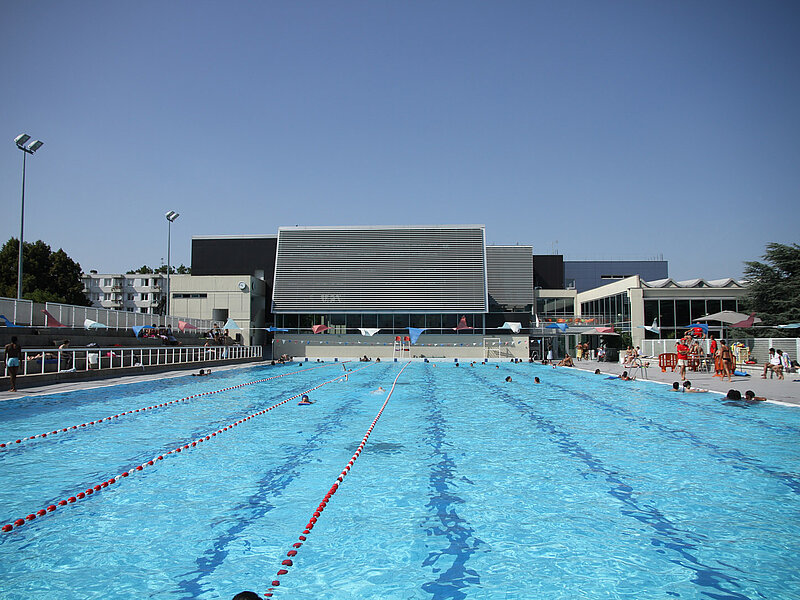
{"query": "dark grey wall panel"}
(509, 275)
(380, 269)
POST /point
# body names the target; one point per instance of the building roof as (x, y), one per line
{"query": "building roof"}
(694, 283)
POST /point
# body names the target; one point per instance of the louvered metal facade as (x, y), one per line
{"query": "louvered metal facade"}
(423, 269)
(510, 275)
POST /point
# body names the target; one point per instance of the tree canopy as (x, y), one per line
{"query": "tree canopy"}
(774, 285)
(47, 276)
(144, 269)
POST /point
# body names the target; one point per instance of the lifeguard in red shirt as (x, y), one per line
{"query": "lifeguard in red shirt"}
(712, 349)
(682, 349)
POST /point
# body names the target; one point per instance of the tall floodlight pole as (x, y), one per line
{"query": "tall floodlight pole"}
(20, 141)
(171, 216)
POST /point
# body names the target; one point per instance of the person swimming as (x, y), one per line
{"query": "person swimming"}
(536, 380)
(379, 390)
(304, 401)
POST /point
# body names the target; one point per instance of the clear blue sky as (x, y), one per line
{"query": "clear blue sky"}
(619, 129)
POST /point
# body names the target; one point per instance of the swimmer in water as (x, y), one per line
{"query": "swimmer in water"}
(508, 378)
(304, 401)
(379, 390)
(687, 387)
(536, 380)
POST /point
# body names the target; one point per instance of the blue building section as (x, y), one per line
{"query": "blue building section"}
(584, 275)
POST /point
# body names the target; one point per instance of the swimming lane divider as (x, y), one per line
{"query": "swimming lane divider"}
(10, 445)
(101, 486)
(288, 562)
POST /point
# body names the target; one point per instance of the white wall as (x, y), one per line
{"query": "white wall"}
(463, 347)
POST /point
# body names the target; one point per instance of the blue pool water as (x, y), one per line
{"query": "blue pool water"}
(469, 487)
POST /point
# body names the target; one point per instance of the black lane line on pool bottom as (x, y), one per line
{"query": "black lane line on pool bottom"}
(442, 503)
(667, 534)
(7, 528)
(273, 482)
(288, 562)
(142, 458)
(682, 435)
(73, 428)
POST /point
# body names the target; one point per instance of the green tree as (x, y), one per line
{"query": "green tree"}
(773, 289)
(182, 270)
(144, 270)
(47, 276)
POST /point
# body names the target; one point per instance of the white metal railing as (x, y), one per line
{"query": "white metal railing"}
(28, 313)
(40, 361)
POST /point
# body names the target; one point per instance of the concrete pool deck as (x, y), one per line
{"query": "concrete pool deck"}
(786, 391)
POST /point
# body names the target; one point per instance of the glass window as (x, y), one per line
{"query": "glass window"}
(682, 313)
(698, 309)
(400, 321)
(433, 321)
(417, 321)
(713, 306)
(650, 311)
(666, 309)
(386, 322)
(450, 321)
(354, 321)
(370, 321)
(729, 305)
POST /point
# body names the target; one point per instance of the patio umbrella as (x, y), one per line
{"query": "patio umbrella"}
(183, 326)
(414, 333)
(514, 326)
(231, 324)
(89, 324)
(730, 317)
(600, 331)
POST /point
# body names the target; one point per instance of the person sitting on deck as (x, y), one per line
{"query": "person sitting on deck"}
(566, 362)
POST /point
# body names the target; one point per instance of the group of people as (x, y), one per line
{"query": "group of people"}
(690, 353)
(777, 364)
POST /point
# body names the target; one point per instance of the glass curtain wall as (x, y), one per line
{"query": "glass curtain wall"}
(672, 316)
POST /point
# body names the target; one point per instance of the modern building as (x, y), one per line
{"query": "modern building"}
(435, 291)
(222, 297)
(141, 293)
(633, 303)
(583, 275)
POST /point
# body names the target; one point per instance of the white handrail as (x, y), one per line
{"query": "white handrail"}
(40, 361)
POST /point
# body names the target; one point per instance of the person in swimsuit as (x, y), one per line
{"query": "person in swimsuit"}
(304, 401)
(726, 360)
(13, 354)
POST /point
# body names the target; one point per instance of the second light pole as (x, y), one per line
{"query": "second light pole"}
(171, 216)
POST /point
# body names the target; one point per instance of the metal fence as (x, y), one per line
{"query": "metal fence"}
(759, 347)
(28, 313)
(46, 360)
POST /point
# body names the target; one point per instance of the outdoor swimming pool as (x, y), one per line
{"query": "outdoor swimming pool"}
(468, 487)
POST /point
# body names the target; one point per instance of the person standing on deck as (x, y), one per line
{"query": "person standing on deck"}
(13, 353)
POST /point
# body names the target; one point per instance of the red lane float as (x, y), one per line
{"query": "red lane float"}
(89, 491)
(318, 511)
(133, 411)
